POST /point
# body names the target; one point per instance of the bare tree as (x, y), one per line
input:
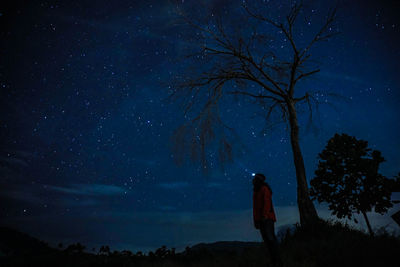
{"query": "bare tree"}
(247, 66)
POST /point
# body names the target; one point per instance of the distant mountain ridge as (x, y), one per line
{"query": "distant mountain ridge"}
(239, 246)
(16, 243)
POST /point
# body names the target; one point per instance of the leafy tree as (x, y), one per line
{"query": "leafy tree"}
(239, 60)
(348, 179)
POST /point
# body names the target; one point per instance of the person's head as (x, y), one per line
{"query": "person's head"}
(258, 180)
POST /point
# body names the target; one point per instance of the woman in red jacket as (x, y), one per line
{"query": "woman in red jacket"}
(264, 215)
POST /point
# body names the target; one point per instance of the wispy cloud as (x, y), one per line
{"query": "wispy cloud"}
(215, 185)
(16, 157)
(167, 208)
(89, 190)
(345, 77)
(22, 195)
(173, 185)
(180, 185)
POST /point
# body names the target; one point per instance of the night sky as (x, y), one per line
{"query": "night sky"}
(86, 125)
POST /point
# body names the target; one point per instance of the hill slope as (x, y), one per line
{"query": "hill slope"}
(325, 244)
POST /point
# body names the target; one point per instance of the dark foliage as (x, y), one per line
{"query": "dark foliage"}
(396, 186)
(336, 244)
(348, 179)
(75, 248)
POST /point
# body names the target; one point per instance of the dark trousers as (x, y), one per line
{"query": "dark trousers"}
(267, 230)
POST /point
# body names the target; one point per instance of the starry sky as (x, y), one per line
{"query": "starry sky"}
(86, 125)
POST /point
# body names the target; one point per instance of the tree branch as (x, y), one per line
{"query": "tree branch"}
(240, 56)
(320, 35)
(301, 76)
(256, 96)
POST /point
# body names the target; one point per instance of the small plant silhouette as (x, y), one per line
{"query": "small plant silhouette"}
(104, 250)
(75, 248)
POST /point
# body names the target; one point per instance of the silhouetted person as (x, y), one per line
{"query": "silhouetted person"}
(264, 215)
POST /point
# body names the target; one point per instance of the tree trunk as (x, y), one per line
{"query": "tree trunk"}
(308, 214)
(368, 225)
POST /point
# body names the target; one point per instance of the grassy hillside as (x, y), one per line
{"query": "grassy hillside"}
(326, 244)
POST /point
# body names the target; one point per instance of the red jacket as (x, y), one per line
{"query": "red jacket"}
(262, 205)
